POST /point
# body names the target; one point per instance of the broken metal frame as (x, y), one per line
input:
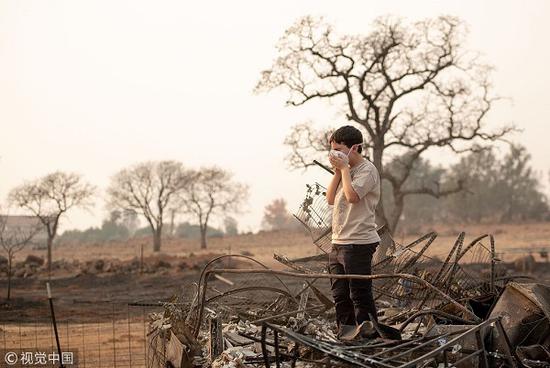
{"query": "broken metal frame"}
(196, 310)
(433, 312)
(435, 349)
(409, 277)
(451, 276)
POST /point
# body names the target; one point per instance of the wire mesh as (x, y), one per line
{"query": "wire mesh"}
(111, 336)
(316, 215)
(245, 297)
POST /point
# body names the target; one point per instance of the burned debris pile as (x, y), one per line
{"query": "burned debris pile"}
(464, 310)
(460, 309)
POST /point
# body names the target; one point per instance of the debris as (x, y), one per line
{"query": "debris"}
(223, 279)
(524, 310)
(216, 345)
(460, 311)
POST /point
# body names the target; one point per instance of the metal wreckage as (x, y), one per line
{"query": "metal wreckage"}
(462, 311)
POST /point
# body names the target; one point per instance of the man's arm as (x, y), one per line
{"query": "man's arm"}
(349, 192)
(331, 190)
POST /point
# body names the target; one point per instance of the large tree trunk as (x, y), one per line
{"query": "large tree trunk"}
(397, 210)
(380, 213)
(203, 237)
(49, 244)
(157, 239)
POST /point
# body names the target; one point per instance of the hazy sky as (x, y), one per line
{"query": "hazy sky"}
(94, 86)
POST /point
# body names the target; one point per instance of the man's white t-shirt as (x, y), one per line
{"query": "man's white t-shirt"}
(354, 223)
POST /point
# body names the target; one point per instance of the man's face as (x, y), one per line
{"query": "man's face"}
(339, 147)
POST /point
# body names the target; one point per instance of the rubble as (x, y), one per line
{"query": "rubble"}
(462, 311)
(524, 311)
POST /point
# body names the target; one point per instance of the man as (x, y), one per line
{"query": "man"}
(354, 191)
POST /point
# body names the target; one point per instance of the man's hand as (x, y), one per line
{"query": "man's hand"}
(338, 163)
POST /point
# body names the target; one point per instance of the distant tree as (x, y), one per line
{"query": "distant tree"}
(186, 230)
(148, 188)
(49, 198)
(230, 226)
(212, 191)
(411, 88)
(142, 232)
(499, 189)
(12, 240)
(277, 217)
(112, 228)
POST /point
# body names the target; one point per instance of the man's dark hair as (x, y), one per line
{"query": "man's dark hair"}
(349, 136)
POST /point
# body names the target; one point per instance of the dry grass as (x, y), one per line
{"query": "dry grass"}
(298, 244)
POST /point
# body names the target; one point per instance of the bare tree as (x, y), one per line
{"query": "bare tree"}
(148, 188)
(212, 191)
(410, 87)
(49, 198)
(12, 240)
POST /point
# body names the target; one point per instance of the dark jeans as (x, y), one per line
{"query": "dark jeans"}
(353, 298)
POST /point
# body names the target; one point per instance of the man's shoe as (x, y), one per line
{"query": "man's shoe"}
(354, 332)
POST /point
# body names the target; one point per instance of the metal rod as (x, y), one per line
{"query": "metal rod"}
(433, 311)
(426, 343)
(54, 324)
(129, 335)
(323, 166)
(114, 337)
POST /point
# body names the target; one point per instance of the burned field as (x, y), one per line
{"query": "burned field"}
(440, 303)
(465, 310)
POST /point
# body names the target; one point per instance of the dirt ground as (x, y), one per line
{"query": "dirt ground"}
(81, 292)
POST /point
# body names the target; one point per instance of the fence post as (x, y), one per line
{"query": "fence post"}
(54, 324)
(129, 335)
(114, 337)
